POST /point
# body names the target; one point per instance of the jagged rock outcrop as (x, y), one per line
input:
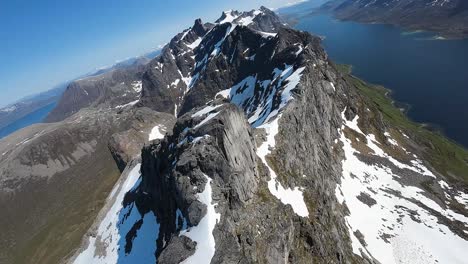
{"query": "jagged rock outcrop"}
(168, 77)
(168, 82)
(222, 151)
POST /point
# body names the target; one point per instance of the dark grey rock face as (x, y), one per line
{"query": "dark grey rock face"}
(177, 250)
(227, 154)
(168, 77)
(449, 18)
(223, 149)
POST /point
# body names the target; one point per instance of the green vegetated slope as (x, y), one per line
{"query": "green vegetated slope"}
(445, 155)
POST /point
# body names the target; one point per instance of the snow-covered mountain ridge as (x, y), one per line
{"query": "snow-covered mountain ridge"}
(276, 157)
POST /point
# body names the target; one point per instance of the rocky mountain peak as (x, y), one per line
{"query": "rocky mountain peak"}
(276, 157)
(227, 16)
(199, 28)
(192, 56)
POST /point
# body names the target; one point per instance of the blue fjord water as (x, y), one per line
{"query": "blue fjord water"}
(32, 118)
(428, 74)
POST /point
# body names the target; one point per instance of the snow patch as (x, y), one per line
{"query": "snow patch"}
(8, 109)
(229, 17)
(137, 86)
(205, 110)
(266, 34)
(196, 139)
(390, 139)
(156, 132)
(395, 228)
(108, 244)
(128, 104)
(175, 83)
(195, 43)
(159, 66)
(245, 21)
(202, 234)
(293, 197)
(251, 58)
(300, 49)
(207, 118)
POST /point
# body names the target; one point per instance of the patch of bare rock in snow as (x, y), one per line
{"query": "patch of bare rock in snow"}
(388, 220)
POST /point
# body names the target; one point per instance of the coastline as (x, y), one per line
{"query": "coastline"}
(34, 117)
(407, 29)
(405, 108)
(447, 156)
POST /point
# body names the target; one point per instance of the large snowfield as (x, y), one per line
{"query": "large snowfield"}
(397, 226)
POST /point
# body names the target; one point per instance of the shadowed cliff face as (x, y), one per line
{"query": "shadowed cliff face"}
(447, 17)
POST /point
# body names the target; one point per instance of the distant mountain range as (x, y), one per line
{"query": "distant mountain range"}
(113, 86)
(448, 18)
(30, 104)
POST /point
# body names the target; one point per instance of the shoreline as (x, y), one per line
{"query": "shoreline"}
(446, 155)
(403, 107)
(409, 29)
(432, 127)
(405, 29)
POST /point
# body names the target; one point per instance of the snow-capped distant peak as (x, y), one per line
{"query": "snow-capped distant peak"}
(8, 109)
(228, 16)
(239, 18)
(247, 20)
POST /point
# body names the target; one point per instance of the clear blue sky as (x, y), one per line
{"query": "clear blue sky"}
(43, 43)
